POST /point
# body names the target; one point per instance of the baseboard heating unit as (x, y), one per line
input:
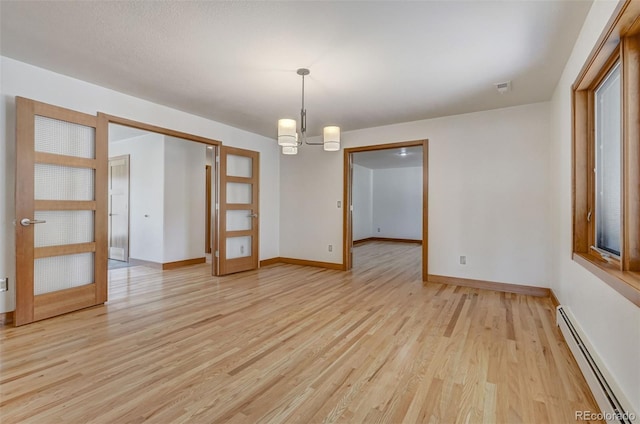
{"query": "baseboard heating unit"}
(614, 407)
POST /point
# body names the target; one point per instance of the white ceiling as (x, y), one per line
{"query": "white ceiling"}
(372, 63)
(404, 157)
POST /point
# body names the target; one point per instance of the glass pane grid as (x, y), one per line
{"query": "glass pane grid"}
(63, 227)
(238, 247)
(62, 272)
(239, 166)
(64, 138)
(54, 182)
(239, 220)
(239, 193)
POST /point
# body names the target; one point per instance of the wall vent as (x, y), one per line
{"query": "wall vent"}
(503, 87)
(614, 407)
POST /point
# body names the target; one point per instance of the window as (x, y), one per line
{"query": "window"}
(606, 156)
(608, 164)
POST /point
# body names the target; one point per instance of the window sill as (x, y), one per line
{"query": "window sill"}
(624, 282)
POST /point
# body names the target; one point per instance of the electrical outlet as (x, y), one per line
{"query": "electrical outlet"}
(463, 260)
(378, 229)
(331, 248)
(4, 284)
(242, 250)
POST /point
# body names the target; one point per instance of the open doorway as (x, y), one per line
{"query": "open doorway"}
(169, 191)
(178, 179)
(385, 195)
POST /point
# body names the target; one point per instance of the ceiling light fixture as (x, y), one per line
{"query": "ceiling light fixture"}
(288, 135)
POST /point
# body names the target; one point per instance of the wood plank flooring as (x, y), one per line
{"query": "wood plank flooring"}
(294, 344)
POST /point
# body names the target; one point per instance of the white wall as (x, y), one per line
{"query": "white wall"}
(146, 195)
(21, 79)
(167, 197)
(488, 194)
(611, 322)
(184, 199)
(362, 202)
(397, 203)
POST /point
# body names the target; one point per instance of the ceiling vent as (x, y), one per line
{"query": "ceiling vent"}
(503, 87)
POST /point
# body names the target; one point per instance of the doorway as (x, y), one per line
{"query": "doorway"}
(167, 191)
(399, 149)
(230, 180)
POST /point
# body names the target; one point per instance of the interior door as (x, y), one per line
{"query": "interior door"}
(61, 211)
(207, 209)
(238, 218)
(348, 254)
(119, 208)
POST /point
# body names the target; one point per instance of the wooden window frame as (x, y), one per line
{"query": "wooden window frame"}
(620, 42)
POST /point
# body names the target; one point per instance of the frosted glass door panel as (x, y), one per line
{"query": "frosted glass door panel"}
(238, 247)
(239, 166)
(239, 220)
(239, 193)
(63, 227)
(62, 272)
(53, 182)
(64, 138)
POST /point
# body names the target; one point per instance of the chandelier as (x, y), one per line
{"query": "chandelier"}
(288, 137)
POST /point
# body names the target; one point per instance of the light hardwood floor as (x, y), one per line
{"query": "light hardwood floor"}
(294, 344)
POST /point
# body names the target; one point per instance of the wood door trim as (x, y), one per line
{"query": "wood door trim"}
(347, 231)
(156, 129)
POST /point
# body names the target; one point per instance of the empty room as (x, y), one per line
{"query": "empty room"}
(320, 211)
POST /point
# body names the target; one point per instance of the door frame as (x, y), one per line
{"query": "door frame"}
(128, 163)
(105, 119)
(347, 223)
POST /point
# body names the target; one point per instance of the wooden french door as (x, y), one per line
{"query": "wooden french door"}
(238, 218)
(61, 211)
